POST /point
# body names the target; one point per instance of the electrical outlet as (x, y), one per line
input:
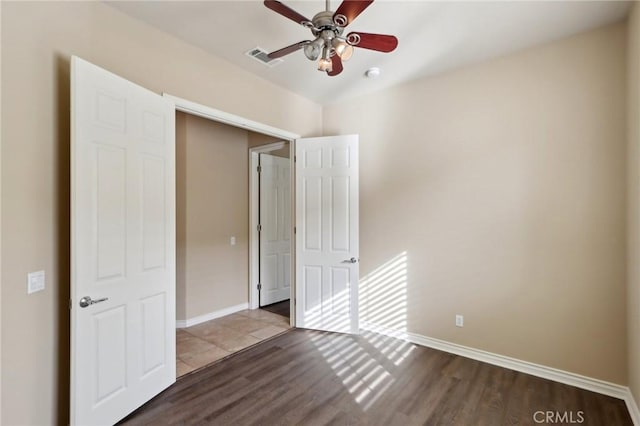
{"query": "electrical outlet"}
(35, 282)
(459, 321)
(232, 241)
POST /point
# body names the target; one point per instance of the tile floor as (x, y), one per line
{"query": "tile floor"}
(210, 341)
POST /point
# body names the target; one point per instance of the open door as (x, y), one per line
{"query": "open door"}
(327, 233)
(122, 245)
(275, 229)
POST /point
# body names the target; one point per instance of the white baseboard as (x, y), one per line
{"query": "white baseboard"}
(632, 406)
(211, 315)
(577, 380)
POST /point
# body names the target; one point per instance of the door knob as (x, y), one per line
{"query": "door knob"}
(352, 260)
(86, 301)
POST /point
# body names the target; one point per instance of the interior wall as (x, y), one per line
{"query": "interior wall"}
(497, 192)
(633, 156)
(181, 216)
(213, 206)
(38, 39)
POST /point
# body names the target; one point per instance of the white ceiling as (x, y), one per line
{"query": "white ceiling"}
(433, 36)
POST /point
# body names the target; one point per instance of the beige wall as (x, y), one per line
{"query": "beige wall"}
(37, 41)
(633, 156)
(181, 216)
(213, 206)
(504, 184)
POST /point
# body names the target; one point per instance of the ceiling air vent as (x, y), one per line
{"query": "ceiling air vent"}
(260, 55)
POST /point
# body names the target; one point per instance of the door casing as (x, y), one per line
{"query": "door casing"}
(254, 219)
(209, 113)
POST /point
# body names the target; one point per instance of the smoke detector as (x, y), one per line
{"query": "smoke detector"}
(372, 72)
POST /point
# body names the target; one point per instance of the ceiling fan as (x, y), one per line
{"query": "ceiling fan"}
(330, 47)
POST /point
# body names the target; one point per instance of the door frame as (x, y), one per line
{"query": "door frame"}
(209, 113)
(254, 219)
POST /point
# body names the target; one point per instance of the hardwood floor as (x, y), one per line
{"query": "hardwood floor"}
(280, 308)
(307, 377)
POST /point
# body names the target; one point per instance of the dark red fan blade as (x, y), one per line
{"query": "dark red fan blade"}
(351, 9)
(289, 49)
(379, 42)
(285, 11)
(336, 66)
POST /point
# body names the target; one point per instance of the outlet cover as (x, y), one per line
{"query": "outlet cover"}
(35, 281)
(459, 321)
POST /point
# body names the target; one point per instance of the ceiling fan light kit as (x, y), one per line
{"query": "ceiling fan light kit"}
(329, 46)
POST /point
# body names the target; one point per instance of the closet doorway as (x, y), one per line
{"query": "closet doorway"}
(271, 228)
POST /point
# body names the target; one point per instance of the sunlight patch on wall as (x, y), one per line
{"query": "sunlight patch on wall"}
(383, 295)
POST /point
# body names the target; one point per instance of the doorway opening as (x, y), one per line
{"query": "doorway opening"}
(271, 253)
(212, 213)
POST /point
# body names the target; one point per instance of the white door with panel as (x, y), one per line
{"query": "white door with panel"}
(275, 229)
(122, 245)
(327, 233)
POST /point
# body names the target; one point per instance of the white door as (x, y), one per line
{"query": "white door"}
(122, 245)
(327, 233)
(275, 222)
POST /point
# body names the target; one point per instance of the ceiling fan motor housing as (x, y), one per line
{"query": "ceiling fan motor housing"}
(324, 26)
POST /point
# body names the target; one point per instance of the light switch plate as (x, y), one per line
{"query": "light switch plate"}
(35, 281)
(232, 241)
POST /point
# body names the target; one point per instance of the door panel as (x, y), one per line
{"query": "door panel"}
(275, 238)
(122, 245)
(111, 343)
(327, 233)
(109, 187)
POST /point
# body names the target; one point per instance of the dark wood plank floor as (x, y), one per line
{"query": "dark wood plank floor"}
(313, 378)
(280, 308)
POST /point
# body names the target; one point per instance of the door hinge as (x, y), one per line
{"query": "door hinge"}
(259, 286)
(259, 228)
(70, 304)
(259, 169)
(295, 158)
(294, 229)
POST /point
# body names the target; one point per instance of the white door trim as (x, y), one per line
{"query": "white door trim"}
(254, 211)
(209, 113)
(254, 238)
(227, 118)
(275, 228)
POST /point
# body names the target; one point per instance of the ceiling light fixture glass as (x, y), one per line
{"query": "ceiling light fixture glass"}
(313, 49)
(325, 64)
(343, 49)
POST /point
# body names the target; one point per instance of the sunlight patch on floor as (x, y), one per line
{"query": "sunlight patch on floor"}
(364, 364)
